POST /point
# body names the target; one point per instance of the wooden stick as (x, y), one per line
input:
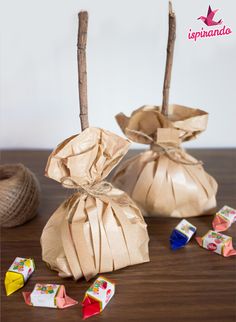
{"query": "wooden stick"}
(82, 72)
(169, 59)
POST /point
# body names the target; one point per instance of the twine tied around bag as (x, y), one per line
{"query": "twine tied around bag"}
(94, 190)
(161, 149)
(167, 148)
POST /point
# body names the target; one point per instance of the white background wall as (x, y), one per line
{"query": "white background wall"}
(126, 58)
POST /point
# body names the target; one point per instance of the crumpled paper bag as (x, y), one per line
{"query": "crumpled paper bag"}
(99, 228)
(165, 180)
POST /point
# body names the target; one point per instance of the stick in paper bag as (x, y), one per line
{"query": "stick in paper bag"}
(98, 228)
(165, 180)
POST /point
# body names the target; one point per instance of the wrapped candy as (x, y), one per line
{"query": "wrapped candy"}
(49, 295)
(97, 296)
(224, 218)
(166, 180)
(217, 243)
(18, 273)
(99, 228)
(182, 234)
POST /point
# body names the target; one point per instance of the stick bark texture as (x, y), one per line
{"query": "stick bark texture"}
(82, 68)
(169, 60)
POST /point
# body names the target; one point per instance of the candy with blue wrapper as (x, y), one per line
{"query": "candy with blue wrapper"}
(181, 235)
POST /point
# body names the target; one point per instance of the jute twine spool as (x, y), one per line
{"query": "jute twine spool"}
(19, 195)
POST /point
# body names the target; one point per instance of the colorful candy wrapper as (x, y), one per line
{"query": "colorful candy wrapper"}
(18, 274)
(182, 234)
(224, 218)
(217, 243)
(97, 297)
(49, 295)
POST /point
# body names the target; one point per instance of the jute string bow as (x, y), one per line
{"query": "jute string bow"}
(94, 190)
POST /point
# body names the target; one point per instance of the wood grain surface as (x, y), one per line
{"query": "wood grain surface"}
(190, 284)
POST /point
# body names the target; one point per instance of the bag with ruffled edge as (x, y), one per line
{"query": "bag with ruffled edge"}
(165, 180)
(99, 228)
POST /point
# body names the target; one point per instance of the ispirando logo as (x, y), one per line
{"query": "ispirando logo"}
(219, 28)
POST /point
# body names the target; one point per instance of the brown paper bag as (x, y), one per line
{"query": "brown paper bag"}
(98, 229)
(165, 180)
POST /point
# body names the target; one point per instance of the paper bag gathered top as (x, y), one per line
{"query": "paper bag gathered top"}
(98, 228)
(165, 180)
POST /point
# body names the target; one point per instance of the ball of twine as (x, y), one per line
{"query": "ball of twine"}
(19, 195)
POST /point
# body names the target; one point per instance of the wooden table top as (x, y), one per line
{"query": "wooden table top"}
(190, 284)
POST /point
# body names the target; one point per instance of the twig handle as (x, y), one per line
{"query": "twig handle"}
(169, 59)
(82, 69)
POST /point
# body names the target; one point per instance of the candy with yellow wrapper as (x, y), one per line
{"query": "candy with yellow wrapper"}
(18, 273)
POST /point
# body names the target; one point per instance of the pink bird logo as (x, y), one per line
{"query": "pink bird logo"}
(209, 19)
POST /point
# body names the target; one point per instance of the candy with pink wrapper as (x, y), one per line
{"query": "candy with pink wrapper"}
(49, 295)
(224, 218)
(217, 243)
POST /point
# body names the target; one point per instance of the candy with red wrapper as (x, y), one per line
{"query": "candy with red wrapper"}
(97, 297)
(217, 243)
(224, 218)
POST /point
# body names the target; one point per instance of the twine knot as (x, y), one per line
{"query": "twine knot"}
(95, 190)
(175, 153)
(170, 147)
